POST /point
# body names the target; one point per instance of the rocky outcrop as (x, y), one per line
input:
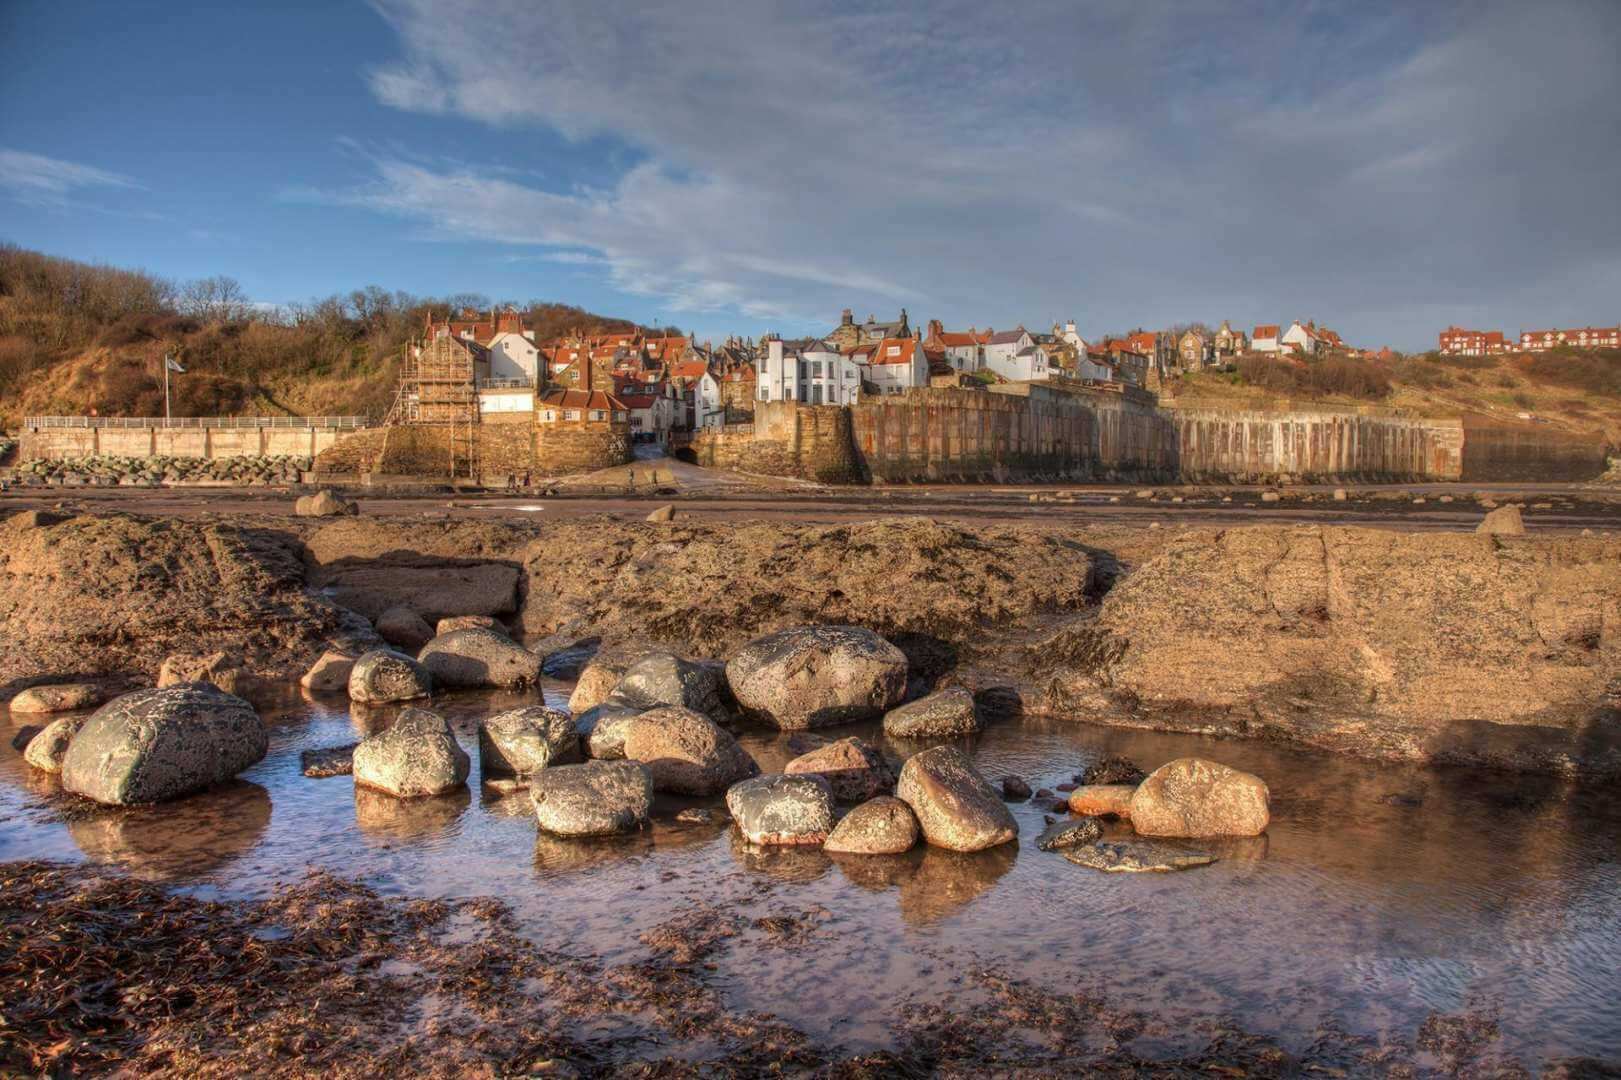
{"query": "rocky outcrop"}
(1492, 650)
(520, 741)
(710, 588)
(881, 826)
(946, 713)
(414, 757)
(1504, 521)
(59, 697)
(1194, 797)
(685, 752)
(479, 658)
(597, 798)
(955, 806)
(159, 744)
(436, 569)
(114, 595)
(812, 676)
(382, 676)
(46, 750)
(221, 670)
(853, 770)
(781, 810)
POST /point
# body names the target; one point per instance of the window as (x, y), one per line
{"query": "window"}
(599, 414)
(894, 350)
(618, 415)
(571, 414)
(550, 416)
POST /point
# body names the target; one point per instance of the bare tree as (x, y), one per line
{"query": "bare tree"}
(215, 299)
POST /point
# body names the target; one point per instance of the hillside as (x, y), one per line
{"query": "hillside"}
(76, 337)
(1575, 389)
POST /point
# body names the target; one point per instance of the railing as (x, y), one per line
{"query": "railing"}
(349, 422)
(506, 384)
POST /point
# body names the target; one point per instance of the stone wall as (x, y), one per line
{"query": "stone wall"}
(811, 442)
(561, 450)
(1499, 450)
(50, 443)
(1245, 446)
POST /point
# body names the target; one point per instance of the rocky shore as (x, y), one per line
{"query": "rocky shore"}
(1478, 649)
(111, 470)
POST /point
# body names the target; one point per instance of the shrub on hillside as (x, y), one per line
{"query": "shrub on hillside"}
(1336, 376)
(1596, 371)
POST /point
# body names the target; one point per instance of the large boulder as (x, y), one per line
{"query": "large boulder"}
(158, 744)
(597, 798)
(881, 826)
(221, 670)
(521, 741)
(812, 676)
(955, 806)
(383, 675)
(61, 697)
(782, 810)
(1102, 800)
(324, 503)
(470, 622)
(854, 771)
(415, 756)
(597, 680)
(663, 678)
(46, 750)
(478, 658)
(946, 713)
(604, 727)
(1194, 797)
(1504, 521)
(686, 752)
(329, 673)
(404, 629)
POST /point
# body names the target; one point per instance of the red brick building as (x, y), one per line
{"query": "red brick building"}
(1456, 341)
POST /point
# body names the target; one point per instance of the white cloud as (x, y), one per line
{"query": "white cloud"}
(45, 181)
(1254, 159)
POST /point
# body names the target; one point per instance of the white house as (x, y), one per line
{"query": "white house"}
(1299, 338)
(708, 408)
(1070, 336)
(1264, 339)
(513, 357)
(653, 411)
(897, 364)
(1014, 355)
(814, 374)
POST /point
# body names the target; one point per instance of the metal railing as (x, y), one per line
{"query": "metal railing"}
(248, 422)
(506, 384)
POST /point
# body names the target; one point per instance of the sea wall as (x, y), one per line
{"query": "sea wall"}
(1245, 446)
(1499, 450)
(155, 440)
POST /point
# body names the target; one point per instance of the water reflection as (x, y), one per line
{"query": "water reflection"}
(946, 882)
(570, 854)
(385, 817)
(175, 841)
(785, 863)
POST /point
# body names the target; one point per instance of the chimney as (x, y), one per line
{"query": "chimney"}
(586, 373)
(846, 319)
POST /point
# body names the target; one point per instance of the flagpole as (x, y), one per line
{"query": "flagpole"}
(166, 389)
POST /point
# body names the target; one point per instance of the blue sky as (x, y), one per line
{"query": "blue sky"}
(744, 166)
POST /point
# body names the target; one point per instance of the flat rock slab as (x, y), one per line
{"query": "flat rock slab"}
(438, 592)
(1068, 834)
(328, 761)
(1136, 856)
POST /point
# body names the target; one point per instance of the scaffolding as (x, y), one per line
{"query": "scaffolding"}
(437, 389)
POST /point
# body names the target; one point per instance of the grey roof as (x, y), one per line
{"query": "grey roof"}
(1007, 337)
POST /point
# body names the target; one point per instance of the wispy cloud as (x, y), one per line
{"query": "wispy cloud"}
(1251, 159)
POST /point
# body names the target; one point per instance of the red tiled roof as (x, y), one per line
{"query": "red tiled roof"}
(580, 399)
(903, 355)
(1264, 332)
(638, 401)
(1143, 342)
(691, 369)
(953, 338)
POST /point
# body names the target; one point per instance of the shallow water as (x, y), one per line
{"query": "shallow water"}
(1499, 893)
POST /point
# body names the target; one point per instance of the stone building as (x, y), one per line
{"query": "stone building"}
(1229, 342)
(849, 334)
(581, 428)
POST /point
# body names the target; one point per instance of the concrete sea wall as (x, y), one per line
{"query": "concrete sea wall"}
(235, 438)
(1254, 446)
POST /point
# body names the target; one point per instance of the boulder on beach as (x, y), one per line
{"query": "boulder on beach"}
(46, 749)
(662, 513)
(1504, 521)
(663, 678)
(813, 676)
(782, 810)
(415, 756)
(159, 744)
(603, 728)
(1070, 833)
(881, 826)
(470, 622)
(404, 629)
(221, 670)
(383, 675)
(327, 761)
(60, 697)
(945, 713)
(596, 798)
(330, 673)
(1194, 797)
(1102, 800)
(521, 741)
(479, 659)
(597, 680)
(955, 806)
(324, 503)
(1113, 770)
(685, 752)
(854, 771)
(1136, 856)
